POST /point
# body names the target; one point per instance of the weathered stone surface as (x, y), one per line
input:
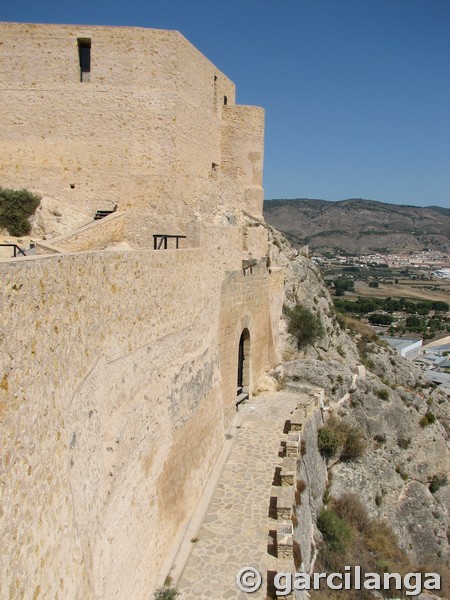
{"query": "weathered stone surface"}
(313, 473)
(393, 476)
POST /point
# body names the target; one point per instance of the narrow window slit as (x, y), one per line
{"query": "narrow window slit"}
(84, 55)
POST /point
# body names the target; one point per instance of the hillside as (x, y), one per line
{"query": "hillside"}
(398, 471)
(360, 226)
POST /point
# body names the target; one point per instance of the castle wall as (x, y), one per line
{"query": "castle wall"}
(118, 368)
(115, 378)
(144, 132)
(243, 152)
(244, 305)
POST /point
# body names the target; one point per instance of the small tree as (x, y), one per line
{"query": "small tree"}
(380, 319)
(304, 326)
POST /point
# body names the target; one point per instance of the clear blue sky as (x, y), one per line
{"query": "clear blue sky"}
(356, 92)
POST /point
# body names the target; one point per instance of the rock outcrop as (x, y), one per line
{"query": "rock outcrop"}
(405, 421)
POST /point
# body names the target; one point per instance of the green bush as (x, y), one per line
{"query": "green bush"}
(354, 444)
(328, 441)
(304, 326)
(16, 207)
(336, 532)
(382, 394)
(352, 537)
(380, 319)
(166, 593)
(436, 482)
(337, 438)
(427, 419)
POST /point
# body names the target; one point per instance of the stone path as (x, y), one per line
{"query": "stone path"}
(235, 529)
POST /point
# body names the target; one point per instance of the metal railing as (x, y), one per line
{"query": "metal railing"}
(16, 249)
(160, 240)
(100, 214)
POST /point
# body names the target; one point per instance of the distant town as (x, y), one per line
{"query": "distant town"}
(425, 259)
(404, 297)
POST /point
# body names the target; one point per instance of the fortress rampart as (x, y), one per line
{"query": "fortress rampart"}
(119, 369)
(118, 378)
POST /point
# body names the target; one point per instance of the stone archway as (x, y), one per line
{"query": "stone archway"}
(243, 370)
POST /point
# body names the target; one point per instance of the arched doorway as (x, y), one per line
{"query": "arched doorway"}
(243, 370)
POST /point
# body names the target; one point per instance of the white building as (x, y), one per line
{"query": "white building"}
(407, 348)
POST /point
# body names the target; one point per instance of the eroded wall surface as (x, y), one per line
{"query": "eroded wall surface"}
(110, 380)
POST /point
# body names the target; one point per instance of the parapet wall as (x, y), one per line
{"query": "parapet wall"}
(115, 380)
(96, 235)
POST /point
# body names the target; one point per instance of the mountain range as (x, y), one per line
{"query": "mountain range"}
(358, 226)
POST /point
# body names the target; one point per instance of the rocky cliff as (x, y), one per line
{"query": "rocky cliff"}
(401, 476)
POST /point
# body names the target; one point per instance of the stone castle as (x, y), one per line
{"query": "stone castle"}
(127, 341)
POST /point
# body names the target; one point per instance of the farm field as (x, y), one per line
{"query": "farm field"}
(412, 290)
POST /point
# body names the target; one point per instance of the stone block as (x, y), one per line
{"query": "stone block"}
(285, 500)
(292, 449)
(284, 540)
(288, 470)
(296, 420)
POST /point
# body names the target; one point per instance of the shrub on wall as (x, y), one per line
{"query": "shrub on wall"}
(166, 593)
(304, 326)
(354, 444)
(428, 419)
(436, 482)
(16, 207)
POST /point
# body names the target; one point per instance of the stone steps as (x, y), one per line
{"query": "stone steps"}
(240, 398)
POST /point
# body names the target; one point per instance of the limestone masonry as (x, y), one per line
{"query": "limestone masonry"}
(120, 363)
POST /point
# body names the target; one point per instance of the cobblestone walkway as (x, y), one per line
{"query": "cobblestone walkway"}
(234, 533)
